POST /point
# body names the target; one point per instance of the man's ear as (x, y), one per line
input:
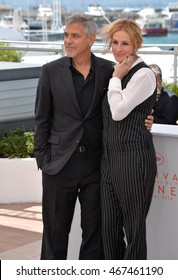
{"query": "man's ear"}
(92, 39)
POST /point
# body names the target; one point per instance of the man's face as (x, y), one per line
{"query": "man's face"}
(159, 82)
(76, 42)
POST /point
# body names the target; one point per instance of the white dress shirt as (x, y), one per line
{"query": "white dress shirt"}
(138, 89)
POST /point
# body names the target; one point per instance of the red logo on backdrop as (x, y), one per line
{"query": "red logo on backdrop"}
(159, 159)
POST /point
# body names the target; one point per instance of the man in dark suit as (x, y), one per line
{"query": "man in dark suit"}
(68, 140)
(166, 105)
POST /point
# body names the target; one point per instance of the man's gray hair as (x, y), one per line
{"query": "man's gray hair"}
(156, 69)
(87, 21)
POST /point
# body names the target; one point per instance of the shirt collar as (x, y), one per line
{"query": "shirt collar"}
(92, 68)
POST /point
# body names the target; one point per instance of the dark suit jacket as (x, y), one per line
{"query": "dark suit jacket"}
(166, 108)
(59, 124)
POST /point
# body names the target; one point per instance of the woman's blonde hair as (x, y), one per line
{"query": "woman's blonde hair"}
(129, 26)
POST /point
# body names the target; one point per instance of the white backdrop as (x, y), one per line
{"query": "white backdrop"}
(162, 221)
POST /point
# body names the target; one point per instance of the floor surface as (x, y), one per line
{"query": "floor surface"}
(20, 231)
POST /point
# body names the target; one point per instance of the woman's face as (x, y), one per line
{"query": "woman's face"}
(121, 46)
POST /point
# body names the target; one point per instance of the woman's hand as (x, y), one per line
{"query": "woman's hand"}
(121, 69)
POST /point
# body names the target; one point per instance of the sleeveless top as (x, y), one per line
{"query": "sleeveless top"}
(129, 133)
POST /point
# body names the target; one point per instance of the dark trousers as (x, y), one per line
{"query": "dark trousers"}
(126, 192)
(77, 179)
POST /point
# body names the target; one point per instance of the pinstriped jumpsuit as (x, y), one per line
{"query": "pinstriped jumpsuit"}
(128, 170)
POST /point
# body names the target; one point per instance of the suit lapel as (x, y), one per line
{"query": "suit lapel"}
(99, 74)
(67, 79)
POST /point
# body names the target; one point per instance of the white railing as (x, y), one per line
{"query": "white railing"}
(58, 47)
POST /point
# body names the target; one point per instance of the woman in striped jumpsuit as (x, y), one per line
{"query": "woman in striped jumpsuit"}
(128, 164)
